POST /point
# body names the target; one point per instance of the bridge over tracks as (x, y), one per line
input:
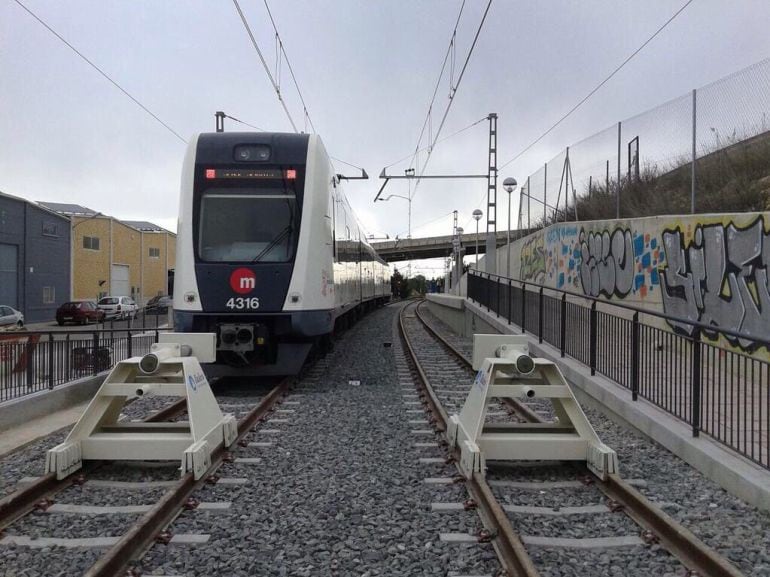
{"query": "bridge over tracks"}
(436, 246)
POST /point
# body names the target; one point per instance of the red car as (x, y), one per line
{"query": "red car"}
(79, 312)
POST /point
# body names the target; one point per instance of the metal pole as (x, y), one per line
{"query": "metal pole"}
(508, 246)
(692, 169)
(456, 250)
(491, 240)
(477, 244)
(545, 193)
(566, 185)
(409, 227)
(529, 208)
(617, 198)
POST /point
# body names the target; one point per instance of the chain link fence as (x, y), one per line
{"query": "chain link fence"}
(706, 151)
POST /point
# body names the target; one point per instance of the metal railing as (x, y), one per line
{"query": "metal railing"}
(32, 361)
(719, 391)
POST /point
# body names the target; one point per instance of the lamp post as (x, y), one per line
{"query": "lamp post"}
(509, 184)
(477, 215)
(459, 259)
(409, 200)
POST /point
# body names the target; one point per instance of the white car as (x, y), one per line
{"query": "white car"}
(10, 317)
(118, 307)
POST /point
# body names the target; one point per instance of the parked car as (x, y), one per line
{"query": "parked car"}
(79, 312)
(10, 317)
(159, 305)
(118, 307)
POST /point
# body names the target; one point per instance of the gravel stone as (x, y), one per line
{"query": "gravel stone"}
(733, 528)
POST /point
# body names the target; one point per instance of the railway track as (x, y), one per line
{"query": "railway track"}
(569, 482)
(150, 527)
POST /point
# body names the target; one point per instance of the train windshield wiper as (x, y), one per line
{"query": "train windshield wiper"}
(273, 243)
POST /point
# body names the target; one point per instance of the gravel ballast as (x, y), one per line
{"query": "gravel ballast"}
(736, 530)
(341, 490)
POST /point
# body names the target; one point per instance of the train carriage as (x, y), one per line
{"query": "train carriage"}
(270, 256)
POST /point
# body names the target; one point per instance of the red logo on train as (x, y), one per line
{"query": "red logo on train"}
(243, 281)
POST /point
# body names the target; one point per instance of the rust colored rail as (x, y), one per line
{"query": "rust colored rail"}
(511, 551)
(143, 533)
(22, 501)
(519, 408)
(675, 538)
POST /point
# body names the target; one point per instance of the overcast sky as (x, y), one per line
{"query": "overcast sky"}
(367, 71)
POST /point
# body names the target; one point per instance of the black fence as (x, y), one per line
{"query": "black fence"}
(716, 390)
(32, 361)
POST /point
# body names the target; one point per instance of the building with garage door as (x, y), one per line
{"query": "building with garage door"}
(114, 257)
(34, 258)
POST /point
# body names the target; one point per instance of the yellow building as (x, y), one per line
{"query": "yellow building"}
(121, 258)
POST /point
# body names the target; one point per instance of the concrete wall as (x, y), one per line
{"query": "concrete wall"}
(710, 268)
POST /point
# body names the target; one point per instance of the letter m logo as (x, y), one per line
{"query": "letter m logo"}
(248, 283)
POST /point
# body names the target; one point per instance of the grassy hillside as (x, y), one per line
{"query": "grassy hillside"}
(733, 179)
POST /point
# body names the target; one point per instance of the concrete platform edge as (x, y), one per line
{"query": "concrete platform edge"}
(16, 412)
(732, 472)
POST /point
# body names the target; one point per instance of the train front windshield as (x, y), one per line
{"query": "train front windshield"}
(250, 225)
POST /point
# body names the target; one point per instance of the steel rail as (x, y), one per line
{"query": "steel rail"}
(22, 501)
(511, 551)
(674, 537)
(144, 532)
(523, 410)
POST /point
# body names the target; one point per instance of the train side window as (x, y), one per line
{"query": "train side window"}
(333, 217)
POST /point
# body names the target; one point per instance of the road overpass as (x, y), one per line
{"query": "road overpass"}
(435, 246)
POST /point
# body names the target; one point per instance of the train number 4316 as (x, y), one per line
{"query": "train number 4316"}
(241, 303)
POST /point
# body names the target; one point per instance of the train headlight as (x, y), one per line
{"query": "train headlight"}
(251, 153)
(189, 297)
(228, 336)
(244, 335)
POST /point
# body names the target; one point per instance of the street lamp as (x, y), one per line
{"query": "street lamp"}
(409, 200)
(509, 184)
(459, 257)
(477, 215)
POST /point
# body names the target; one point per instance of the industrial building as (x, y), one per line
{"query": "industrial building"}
(34, 258)
(110, 256)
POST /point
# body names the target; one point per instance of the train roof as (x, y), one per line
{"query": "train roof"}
(286, 147)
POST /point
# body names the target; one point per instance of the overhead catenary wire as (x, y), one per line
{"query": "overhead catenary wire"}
(453, 94)
(346, 163)
(101, 72)
(291, 70)
(598, 86)
(244, 123)
(424, 224)
(276, 87)
(479, 121)
(427, 120)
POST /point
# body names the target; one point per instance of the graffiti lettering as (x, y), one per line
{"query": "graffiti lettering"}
(720, 279)
(533, 259)
(606, 262)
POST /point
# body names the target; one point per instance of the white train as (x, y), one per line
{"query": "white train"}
(270, 255)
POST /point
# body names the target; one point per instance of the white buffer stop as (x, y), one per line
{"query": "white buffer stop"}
(171, 369)
(505, 370)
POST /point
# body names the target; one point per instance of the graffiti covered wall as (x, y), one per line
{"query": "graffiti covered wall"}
(711, 269)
